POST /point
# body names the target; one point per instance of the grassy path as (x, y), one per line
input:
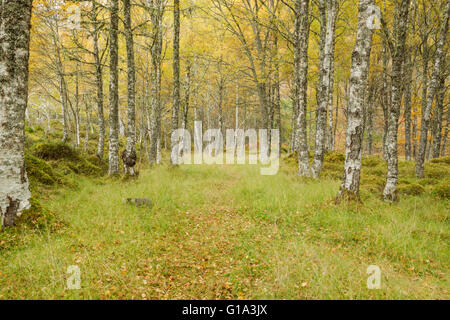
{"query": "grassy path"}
(227, 232)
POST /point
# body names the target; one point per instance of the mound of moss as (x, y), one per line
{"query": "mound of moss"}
(372, 161)
(444, 160)
(442, 190)
(412, 189)
(84, 167)
(34, 220)
(437, 171)
(55, 151)
(334, 156)
(332, 170)
(374, 183)
(39, 170)
(427, 182)
(66, 160)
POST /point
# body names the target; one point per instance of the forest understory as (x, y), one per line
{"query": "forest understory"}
(224, 232)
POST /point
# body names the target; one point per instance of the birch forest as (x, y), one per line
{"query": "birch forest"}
(224, 149)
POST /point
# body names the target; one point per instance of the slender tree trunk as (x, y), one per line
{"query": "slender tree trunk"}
(369, 120)
(130, 156)
(434, 83)
(176, 66)
(187, 97)
(444, 139)
(220, 105)
(155, 129)
(385, 100)
(332, 16)
(76, 112)
(15, 17)
(358, 77)
(294, 115)
(236, 110)
(99, 85)
(437, 128)
(408, 102)
(398, 54)
(62, 83)
(114, 90)
(62, 97)
(301, 82)
(88, 124)
(336, 118)
(327, 12)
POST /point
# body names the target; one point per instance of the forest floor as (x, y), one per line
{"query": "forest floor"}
(226, 232)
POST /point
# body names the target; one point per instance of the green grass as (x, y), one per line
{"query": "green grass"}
(220, 232)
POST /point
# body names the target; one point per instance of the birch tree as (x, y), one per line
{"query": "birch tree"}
(131, 73)
(328, 13)
(98, 80)
(398, 55)
(15, 16)
(156, 9)
(114, 89)
(432, 88)
(437, 126)
(358, 82)
(301, 39)
(176, 66)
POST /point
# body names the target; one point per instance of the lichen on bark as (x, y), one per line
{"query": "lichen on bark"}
(14, 55)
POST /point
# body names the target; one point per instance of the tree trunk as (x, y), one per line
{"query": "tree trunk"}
(327, 12)
(99, 85)
(15, 25)
(155, 129)
(332, 16)
(176, 66)
(408, 101)
(76, 111)
(336, 118)
(114, 91)
(437, 127)
(447, 127)
(369, 119)
(358, 78)
(88, 124)
(301, 82)
(434, 83)
(385, 100)
(131, 111)
(398, 55)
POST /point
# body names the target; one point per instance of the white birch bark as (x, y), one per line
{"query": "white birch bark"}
(114, 90)
(398, 54)
(358, 78)
(432, 88)
(15, 16)
(130, 150)
(327, 9)
(301, 83)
